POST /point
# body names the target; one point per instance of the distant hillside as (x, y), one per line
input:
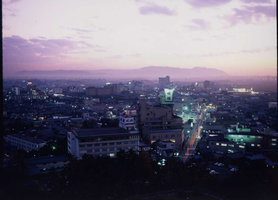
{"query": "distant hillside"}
(145, 72)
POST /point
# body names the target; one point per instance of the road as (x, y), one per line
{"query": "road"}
(193, 139)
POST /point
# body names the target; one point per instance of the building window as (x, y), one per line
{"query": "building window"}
(224, 145)
(217, 144)
(118, 143)
(173, 135)
(97, 150)
(154, 137)
(81, 146)
(273, 140)
(89, 145)
(240, 146)
(89, 151)
(97, 145)
(112, 143)
(231, 145)
(104, 144)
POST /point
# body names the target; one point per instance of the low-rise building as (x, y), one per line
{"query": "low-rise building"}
(25, 142)
(45, 164)
(101, 141)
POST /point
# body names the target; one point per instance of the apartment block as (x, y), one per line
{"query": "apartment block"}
(101, 141)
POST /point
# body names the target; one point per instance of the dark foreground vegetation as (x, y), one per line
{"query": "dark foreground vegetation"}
(132, 176)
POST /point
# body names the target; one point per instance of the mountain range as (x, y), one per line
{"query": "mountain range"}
(145, 72)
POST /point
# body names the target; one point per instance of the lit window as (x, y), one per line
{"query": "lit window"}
(274, 140)
(273, 144)
(252, 145)
(258, 145)
(231, 145)
(224, 145)
(240, 146)
(217, 144)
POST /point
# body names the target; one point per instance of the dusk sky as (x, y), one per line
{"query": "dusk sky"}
(236, 36)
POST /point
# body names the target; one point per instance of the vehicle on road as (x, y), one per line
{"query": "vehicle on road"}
(220, 164)
(213, 172)
(234, 169)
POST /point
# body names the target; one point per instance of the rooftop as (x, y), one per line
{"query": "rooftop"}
(27, 138)
(100, 132)
(45, 159)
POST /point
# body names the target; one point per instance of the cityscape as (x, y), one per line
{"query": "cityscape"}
(95, 108)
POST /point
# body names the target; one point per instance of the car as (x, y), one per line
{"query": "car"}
(216, 163)
(234, 169)
(220, 164)
(213, 172)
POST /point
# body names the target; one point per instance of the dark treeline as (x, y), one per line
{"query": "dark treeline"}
(130, 175)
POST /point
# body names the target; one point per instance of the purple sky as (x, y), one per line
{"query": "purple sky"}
(236, 36)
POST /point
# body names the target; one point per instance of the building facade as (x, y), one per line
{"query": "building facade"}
(25, 142)
(159, 122)
(101, 142)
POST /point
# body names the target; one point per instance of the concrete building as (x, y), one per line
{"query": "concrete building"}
(128, 123)
(106, 90)
(25, 142)
(101, 142)
(158, 122)
(164, 82)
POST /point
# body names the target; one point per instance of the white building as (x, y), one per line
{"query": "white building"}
(25, 142)
(127, 123)
(101, 141)
(17, 91)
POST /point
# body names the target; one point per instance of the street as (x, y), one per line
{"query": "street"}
(193, 139)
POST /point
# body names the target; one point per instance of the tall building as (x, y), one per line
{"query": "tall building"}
(17, 91)
(159, 123)
(208, 85)
(164, 82)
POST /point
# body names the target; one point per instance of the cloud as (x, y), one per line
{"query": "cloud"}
(156, 9)
(256, 1)
(206, 3)
(246, 51)
(135, 55)
(115, 57)
(78, 30)
(200, 24)
(250, 14)
(19, 53)
(8, 2)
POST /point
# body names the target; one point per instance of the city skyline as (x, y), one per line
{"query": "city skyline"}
(237, 37)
